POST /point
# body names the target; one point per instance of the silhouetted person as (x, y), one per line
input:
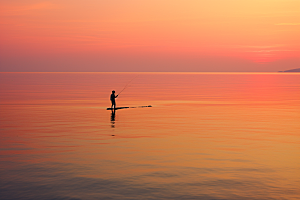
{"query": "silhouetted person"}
(113, 99)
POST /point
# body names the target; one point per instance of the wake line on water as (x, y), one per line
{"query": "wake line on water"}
(118, 108)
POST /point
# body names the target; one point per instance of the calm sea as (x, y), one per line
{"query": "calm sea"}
(211, 136)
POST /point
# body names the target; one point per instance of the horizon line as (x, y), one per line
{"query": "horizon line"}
(147, 72)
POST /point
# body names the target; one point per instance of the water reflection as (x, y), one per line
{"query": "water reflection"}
(112, 118)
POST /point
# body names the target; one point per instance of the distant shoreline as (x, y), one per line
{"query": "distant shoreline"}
(291, 70)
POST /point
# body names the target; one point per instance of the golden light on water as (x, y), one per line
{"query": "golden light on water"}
(207, 135)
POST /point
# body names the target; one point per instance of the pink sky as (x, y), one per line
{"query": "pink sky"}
(149, 35)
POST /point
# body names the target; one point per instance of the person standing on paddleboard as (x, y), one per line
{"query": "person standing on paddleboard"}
(113, 99)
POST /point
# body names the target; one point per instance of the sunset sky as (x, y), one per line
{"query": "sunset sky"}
(149, 35)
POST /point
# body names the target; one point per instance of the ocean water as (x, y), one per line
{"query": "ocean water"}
(211, 136)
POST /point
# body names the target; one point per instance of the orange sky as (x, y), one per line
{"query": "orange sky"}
(149, 35)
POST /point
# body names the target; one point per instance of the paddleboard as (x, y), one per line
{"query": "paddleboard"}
(117, 108)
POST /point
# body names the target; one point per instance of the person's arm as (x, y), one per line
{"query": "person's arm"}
(117, 96)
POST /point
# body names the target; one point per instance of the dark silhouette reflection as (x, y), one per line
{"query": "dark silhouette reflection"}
(112, 118)
(114, 109)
